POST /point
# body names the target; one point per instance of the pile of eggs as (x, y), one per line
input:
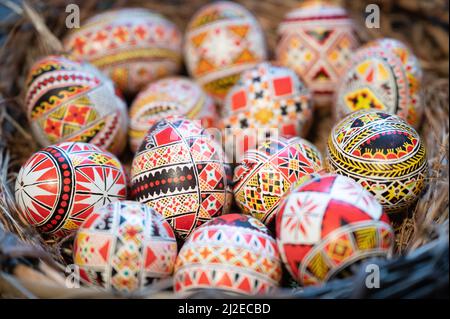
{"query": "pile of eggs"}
(224, 190)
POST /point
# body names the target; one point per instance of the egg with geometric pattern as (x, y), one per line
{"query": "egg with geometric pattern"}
(169, 96)
(317, 40)
(266, 174)
(233, 253)
(132, 46)
(61, 185)
(72, 101)
(381, 152)
(180, 171)
(385, 76)
(327, 226)
(222, 39)
(268, 100)
(124, 247)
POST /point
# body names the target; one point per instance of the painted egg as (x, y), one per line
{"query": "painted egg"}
(133, 46)
(233, 253)
(169, 96)
(384, 76)
(180, 171)
(317, 40)
(222, 40)
(124, 246)
(329, 224)
(267, 173)
(61, 185)
(68, 101)
(382, 153)
(267, 100)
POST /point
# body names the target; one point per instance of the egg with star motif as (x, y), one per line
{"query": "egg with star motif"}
(61, 185)
(133, 46)
(72, 101)
(328, 225)
(222, 39)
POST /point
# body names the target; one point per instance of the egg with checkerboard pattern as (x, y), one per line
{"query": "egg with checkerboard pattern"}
(268, 100)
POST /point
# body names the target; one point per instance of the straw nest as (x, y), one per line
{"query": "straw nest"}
(30, 267)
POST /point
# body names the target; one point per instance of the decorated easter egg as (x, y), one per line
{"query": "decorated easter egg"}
(133, 46)
(267, 173)
(382, 153)
(124, 246)
(169, 96)
(383, 76)
(180, 171)
(317, 40)
(69, 101)
(410, 61)
(233, 253)
(267, 100)
(61, 185)
(327, 225)
(222, 40)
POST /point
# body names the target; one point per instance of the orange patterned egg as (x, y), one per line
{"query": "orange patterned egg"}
(72, 101)
(222, 40)
(233, 253)
(166, 97)
(133, 46)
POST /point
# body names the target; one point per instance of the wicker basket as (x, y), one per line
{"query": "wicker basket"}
(30, 267)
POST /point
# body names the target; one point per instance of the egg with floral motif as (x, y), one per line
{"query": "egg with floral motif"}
(383, 76)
